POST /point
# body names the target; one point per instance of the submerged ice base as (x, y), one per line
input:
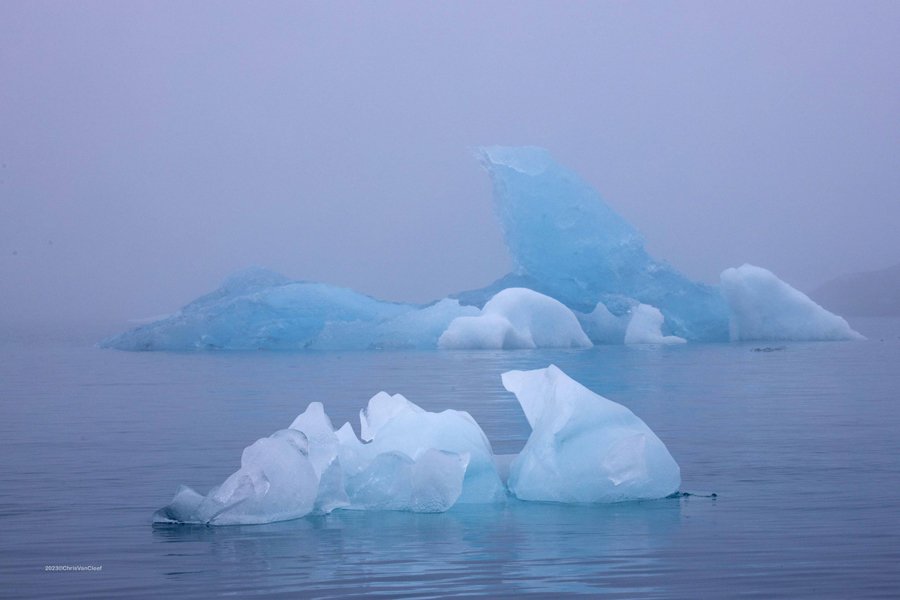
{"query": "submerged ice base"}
(583, 448)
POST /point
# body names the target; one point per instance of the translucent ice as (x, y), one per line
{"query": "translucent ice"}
(575, 248)
(324, 454)
(276, 482)
(432, 482)
(764, 307)
(394, 424)
(517, 318)
(259, 309)
(575, 258)
(602, 326)
(583, 447)
(645, 327)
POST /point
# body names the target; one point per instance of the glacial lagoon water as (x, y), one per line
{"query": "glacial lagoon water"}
(801, 445)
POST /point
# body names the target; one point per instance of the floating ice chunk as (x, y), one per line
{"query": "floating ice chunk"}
(324, 451)
(763, 307)
(645, 327)
(276, 482)
(394, 481)
(394, 424)
(602, 326)
(258, 309)
(382, 409)
(323, 443)
(517, 318)
(583, 447)
(566, 240)
(245, 316)
(415, 329)
(487, 332)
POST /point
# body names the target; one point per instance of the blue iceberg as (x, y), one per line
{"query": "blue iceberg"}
(258, 309)
(582, 277)
(583, 448)
(567, 243)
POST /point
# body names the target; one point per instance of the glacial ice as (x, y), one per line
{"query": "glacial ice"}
(575, 257)
(258, 309)
(645, 327)
(517, 318)
(573, 247)
(276, 482)
(394, 424)
(602, 326)
(764, 307)
(583, 448)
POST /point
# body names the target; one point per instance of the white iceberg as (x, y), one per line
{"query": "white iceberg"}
(394, 424)
(276, 482)
(432, 482)
(763, 307)
(517, 318)
(645, 327)
(602, 326)
(324, 454)
(583, 447)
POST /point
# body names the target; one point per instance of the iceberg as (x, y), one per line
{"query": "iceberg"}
(394, 424)
(645, 327)
(763, 307)
(602, 326)
(582, 276)
(569, 244)
(583, 448)
(517, 318)
(276, 482)
(258, 309)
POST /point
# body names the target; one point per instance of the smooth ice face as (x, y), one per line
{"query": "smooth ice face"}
(393, 481)
(763, 307)
(517, 318)
(645, 327)
(602, 326)
(415, 329)
(276, 482)
(381, 410)
(392, 424)
(575, 248)
(324, 454)
(583, 447)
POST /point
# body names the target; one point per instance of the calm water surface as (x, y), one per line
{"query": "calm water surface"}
(801, 444)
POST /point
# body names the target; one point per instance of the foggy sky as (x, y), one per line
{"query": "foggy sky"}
(148, 149)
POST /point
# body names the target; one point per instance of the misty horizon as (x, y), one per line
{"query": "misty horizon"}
(149, 150)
